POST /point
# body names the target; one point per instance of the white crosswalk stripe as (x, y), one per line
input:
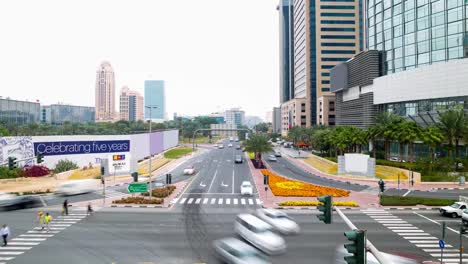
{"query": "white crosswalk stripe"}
(215, 201)
(6, 258)
(228, 201)
(235, 200)
(198, 201)
(190, 201)
(11, 253)
(15, 248)
(183, 200)
(220, 201)
(23, 243)
(205, 201)
(28, 239)
(250, 201)
(243, 201)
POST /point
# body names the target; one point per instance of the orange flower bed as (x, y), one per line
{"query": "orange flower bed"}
(283, 187)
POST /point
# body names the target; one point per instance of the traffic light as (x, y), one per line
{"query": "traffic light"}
(40, 158)
(326, 208)
(11, 163)
(357, 247)
(382, 186)
(102, 170)
(135, 176)
(265, 180)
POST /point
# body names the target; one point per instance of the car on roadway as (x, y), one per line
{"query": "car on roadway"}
(20, 202)
(243, 149)
(230, 145)
(6, 196)
(77, 187)
(455, 210)
(238, 147)
(279, 220)
(235, 251)
(221, 146)
(189, 170)
(277, 154)
(272, 158)
(215, 145)
(237, 140)
(238, 159)
(340, 253)
(259, 233)
(246, 188)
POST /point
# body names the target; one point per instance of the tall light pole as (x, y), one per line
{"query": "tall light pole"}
(150, 107)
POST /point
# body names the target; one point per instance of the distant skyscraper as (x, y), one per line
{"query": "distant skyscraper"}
(131, 105)
(235, 116)
(285, 9)
(105, 93)
(155, 96)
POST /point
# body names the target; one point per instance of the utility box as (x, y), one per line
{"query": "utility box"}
(462, 180)
(135, 176)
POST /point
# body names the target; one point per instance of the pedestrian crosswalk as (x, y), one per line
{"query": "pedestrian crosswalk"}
(217, 201)
(415, 235)
(24, 242)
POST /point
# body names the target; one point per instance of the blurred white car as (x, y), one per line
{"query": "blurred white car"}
(189, 170)
(279, 220)
(246, 188)
(230, 145)
(235, 251)
(259, 234)
(6, 196)
(272, 158)
(77, 187)
(221, 146)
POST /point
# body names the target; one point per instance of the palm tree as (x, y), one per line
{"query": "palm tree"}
(258, 144)
(450, 125)
(385, 127)
(431, 136)
(295, 134)
(408, 132)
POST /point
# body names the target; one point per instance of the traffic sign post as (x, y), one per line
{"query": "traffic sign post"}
(441, 243)
(137, 187)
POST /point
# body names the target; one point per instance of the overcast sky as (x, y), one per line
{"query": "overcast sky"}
(212, 54)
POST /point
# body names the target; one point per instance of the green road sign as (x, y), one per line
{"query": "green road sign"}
(137, 187)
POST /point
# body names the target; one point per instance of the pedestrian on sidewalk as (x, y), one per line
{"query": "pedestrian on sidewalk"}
(5, 232)
(65, 207)
(47, 220)
(40, 219)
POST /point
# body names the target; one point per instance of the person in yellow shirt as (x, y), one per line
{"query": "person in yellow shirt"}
(40, 219)
(47, 219)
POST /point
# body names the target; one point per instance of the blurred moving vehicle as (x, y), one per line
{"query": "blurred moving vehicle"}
(237, 139)
(246, 188)
(341, 253)
(272, 158)
(238, 159)
(277, 154)
(189, 170)
(6, 196)
(238, 147)
(259, 234)
(279, 220)
(215, 145)
(77, 187)
(20, 202)
(234, 251)
(221, 146)
(243, 149)
(230, 145)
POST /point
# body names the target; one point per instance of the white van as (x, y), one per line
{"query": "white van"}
(259, 234)
(77, 187)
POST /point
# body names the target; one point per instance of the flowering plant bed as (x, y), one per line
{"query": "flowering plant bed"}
(161, 192)
(138, 200)
(34, 171)
(316, 203)
(284, 187)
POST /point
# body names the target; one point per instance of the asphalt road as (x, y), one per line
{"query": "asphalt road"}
(286, 168)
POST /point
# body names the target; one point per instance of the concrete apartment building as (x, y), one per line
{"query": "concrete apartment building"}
(131, 105)
(105, 93)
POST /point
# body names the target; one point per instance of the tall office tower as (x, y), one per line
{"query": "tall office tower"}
(155, 100)
(131, 105)
(234, 116)
(285, 9)
(105, 93)
(325, 34)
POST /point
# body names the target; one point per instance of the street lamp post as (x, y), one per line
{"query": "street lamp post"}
(150, 154)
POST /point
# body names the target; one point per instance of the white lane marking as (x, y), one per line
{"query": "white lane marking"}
(242, 201)
(51, 228)
(11, 252)
(235, 201)
(213, 200)
(23, 243)
(214, 177)
(408, 231)
(418, 237)
(228, 201)
(258, 201)
(424, 241)
(183, 200)
(7, 258)
(435, 222)
(389, 225)
(392, 222)
(28, 239)
(250, 201)
(198, 200)
(205, 201)
(414, 234)
(431, 245)
(406, 193)
(36, 235)
(15, 248)
(58, 225)
(401, 227)
(232, 180)
(220, 201)
(190, 201)
(43, 232)
(438, 250)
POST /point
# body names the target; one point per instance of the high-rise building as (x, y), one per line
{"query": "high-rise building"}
(57, 114)
(155, 100)
(325, 34)
(276, 124)
(105, 93)
(131, 105)
(19, 112)
(285, 9)
(234, 116)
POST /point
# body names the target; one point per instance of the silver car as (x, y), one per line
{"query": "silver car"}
(272, 158)
(234, 251)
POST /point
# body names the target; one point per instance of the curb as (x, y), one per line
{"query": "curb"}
(136, 206)
(435, 189)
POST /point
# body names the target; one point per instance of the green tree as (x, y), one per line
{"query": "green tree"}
(432, 136)
(4, 131)
(295, 134)
(258, 144)
(262, 127)
(408, 132)
(385, 128)
(451, 123)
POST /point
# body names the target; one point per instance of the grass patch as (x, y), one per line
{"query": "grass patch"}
(321, 165)
(177, 153)
(389, 173)
(86, 174)
(156, 163)
(411, 201)
(200, 140)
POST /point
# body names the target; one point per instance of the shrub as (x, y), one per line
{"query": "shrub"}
(65, 165)
(138, 200)
(34, 171)
(161, 192)
(411, 201)
(401, 165)
(5, 173)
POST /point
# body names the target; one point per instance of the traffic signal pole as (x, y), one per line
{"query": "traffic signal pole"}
(377, 254)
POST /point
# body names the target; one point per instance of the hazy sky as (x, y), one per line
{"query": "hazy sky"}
(213, 54)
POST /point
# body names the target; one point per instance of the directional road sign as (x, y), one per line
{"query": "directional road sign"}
(137, 187)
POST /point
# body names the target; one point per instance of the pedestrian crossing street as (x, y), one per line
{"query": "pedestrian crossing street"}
(218, 201)
(24, 242)
(415, 236)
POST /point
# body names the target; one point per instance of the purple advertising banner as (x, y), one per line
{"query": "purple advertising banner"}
(157, 144)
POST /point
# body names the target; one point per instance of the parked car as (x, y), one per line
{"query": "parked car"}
(235, 251)
(272, 158)
(246, 188)
(259, 234)
(189, 170)
(454, 210)
(20, 202)
(77, 187)
(238, 159)
(279, 220)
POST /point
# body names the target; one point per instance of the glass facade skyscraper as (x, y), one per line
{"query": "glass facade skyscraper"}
(415, 33)
(57, 114)
(19, 112)
(285, 9)
(155, 97)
